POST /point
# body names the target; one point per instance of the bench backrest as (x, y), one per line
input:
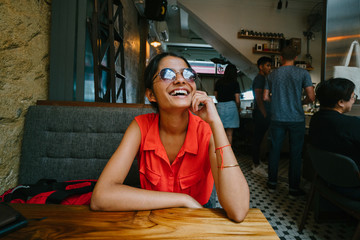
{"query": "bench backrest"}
(73, 142)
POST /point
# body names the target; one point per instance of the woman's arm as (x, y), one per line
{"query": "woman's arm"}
(110, 194)
(237, 101)
(231, 185)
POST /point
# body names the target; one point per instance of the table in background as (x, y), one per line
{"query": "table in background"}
(79, 222)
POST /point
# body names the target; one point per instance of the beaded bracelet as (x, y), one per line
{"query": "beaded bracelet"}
(221, 153)
(228, 166)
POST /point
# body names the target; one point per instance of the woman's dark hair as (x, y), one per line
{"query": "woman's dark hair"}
(152, 69)
(330, 92)
(230, 74)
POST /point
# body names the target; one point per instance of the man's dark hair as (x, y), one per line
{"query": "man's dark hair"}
(289, 53)
(263, 60)
(330, 92)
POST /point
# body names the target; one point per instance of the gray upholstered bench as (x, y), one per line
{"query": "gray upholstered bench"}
(66, 142)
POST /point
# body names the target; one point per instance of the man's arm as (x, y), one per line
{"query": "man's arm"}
(259, 101)
(310, 95)
(266, 95)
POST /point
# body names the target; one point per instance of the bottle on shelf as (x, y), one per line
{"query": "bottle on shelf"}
(272, 45)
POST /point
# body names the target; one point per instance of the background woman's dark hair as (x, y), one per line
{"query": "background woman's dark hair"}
(230, 74)
(152, 69)
(333, 90)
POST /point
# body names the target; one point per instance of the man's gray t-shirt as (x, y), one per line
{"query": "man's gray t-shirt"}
(286, 84)
(259, 83)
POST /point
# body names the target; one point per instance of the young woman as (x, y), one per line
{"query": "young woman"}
(227, 93)
(180, 154)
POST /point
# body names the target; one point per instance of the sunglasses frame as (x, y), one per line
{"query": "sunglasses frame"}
(175, 72)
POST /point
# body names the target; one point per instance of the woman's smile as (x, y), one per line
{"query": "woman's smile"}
(179, 92)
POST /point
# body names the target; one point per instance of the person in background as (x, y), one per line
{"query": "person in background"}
(261, 113)
(182, 150)
(227, 93)
(286, 85)
(331, 130)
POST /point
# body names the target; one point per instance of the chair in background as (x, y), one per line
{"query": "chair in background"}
(338, 170)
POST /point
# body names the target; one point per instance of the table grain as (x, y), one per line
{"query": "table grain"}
(79, 222)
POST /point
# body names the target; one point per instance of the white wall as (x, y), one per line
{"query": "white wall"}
(227, 17)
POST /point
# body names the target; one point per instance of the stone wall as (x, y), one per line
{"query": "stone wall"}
(24, 73)
(24, 70)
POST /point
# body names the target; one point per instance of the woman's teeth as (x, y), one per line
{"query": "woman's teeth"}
(179, 92)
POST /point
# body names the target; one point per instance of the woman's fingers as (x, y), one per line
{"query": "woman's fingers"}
(204, 107)
(199, 97)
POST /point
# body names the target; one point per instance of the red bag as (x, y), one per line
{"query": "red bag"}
(75, 192)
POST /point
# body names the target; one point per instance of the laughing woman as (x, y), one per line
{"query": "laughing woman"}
(181, 155)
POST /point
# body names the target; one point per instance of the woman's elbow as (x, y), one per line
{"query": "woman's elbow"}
(93, 204)
(238, 215)
(96, 203)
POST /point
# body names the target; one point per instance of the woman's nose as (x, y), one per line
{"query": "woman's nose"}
(179, 78)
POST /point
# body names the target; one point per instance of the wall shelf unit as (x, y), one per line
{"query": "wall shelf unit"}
(266, 52)
(259, 37)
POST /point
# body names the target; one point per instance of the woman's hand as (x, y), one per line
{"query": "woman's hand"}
(203, 106)
(190, 202)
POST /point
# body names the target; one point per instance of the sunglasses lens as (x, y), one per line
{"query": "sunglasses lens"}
(189, 74)
(167, 74)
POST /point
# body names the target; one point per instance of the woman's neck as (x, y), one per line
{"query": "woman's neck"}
(173, 122)
(172, 130)
(336, 109)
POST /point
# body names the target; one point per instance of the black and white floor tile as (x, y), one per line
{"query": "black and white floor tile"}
(284, 213)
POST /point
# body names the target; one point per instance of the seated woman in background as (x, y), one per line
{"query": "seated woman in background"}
(330, 129)
(180, 154)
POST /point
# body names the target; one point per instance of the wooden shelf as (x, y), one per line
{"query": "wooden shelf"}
(266, 52)
(258, 37)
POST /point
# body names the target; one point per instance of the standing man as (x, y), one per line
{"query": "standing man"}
(287, 116)
(261, 113)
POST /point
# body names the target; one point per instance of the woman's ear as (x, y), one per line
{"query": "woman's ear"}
(150, 95)
(340, 103)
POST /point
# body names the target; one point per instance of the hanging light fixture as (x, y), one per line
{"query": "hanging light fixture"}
(153, 40)
(155, 43)
(279, 6)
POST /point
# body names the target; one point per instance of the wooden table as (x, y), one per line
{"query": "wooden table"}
(79, 222)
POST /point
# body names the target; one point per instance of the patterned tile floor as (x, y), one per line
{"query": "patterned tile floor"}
(283, 213)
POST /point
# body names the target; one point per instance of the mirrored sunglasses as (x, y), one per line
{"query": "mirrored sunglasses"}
(167, 74)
